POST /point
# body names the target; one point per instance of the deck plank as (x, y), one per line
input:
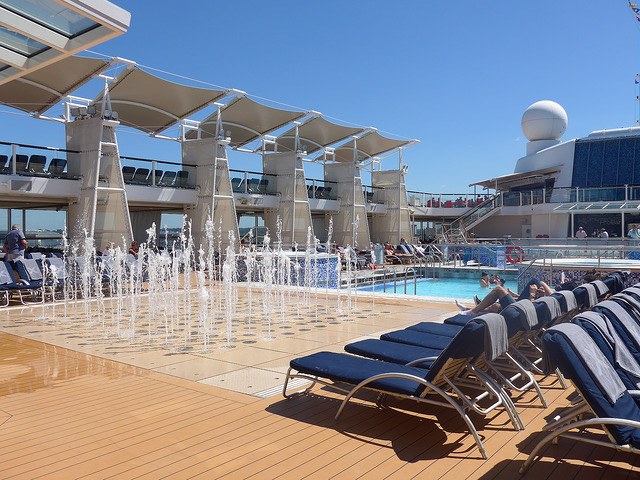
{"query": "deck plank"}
(97, 419)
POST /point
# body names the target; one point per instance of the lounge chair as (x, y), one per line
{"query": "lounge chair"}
(253, 185)
(5, 164)
(62, 274)
(36, 164)
(30, 272)
(570, 348)
(9, 284)
(236, 185)
(22, 162)
(57, 166)
(140, 177)
(158, 174)
(128, 173)
(514, 366)
(181, 178)
(625, 322)
(431, 382)
(167, 179)
(603, 333)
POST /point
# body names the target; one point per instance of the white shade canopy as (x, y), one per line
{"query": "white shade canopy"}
(369, 145)
(152, 104)
(245, 120)
(316, 134)
(38, 91)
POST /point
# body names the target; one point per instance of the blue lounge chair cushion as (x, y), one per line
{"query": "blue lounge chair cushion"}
(459, 319)
(353, 370)
(413, 337)
(436, 328)
(564, 357)
(392, 351)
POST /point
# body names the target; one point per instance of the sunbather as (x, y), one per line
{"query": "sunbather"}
(499, 298)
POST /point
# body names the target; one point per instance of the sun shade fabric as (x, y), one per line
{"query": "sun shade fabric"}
(246, 120)
(152, 104)
(38, 91)
(369, 145)
(315, 134)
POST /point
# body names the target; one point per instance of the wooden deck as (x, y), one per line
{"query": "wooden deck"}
(65, 414)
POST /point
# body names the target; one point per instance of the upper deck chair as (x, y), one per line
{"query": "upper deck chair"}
(181, 178)
(167, 179)
(128, 173)
(22, 162)
(253, 185)
(5, 165)
(57, 166)
(263, 185)
(9, 284)
(569, 348)
(37, 163)
(236, 185)
(432, 385)
(141, 175)
(158, 174)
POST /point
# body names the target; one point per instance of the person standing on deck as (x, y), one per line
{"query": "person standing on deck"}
(634, 234)
(581, 234)
(603, 233)
(15, 243)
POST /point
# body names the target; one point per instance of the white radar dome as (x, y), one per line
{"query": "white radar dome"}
(544, 120)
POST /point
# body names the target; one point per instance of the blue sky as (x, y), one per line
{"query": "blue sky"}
(455, 75)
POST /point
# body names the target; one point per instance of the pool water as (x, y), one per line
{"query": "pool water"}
(444, 287)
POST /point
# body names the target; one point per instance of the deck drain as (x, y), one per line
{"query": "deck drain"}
(293, 384)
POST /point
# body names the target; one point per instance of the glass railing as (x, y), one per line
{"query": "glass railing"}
(37, 161)
(322, 189)
(253, 182)
(373, 194)
(623, 193)
(144, 171)
(444, 200)
(32, 160)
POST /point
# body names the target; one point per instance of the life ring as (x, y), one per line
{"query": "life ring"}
(517, 257)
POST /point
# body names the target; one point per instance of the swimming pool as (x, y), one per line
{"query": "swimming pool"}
(444, 287)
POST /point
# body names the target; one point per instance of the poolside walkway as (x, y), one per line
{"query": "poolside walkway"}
(75, 403)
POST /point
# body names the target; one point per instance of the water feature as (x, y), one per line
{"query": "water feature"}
(188, 297)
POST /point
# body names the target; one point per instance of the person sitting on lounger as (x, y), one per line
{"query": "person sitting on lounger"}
(500, 298)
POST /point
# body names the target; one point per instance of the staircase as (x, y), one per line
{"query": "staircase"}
(456, 232)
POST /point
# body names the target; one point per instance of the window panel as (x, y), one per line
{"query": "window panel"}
(610, 164)
(625, 161)
(580, 162)
(594, 167)
(51, 14)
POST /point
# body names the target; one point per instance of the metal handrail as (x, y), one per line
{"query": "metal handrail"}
(415, 280)
(395, 279)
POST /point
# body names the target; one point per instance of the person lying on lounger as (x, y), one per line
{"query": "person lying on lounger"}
(499, 298)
